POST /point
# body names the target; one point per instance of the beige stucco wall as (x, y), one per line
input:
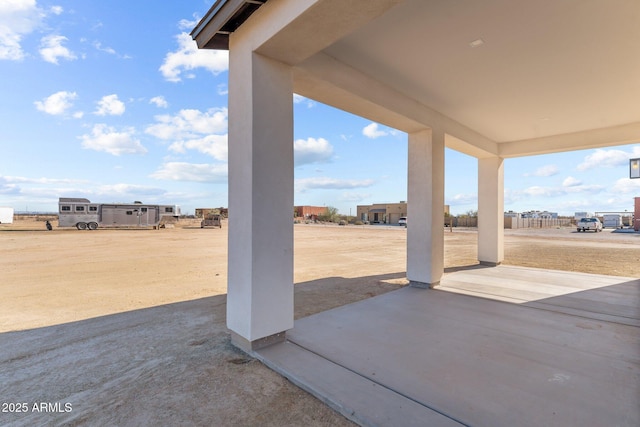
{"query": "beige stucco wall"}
(392, 211)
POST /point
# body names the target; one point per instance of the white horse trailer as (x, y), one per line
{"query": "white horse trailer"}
(6, 215)
(83, 214)
(612, 221)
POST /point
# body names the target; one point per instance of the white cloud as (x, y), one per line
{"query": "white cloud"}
(51, 49)
(189, 57)
(571, 182)
(191, 129)
(326, 183)
(182, 171)
(123, 191)
(214, 145)
(372, 131)
(572, 186)
(548, 170)
(608, 158)
(56, 10)
(110, 105)
(188, 124)
(354, 197)
(8, 188)
(463, 199)
(159, 102)
(109, 50)
(10, 47)
(312, 150)
(185, 24)
(583, 188)
(299, 99)
(107, 139)
(17, 19)
(25, 180)
(626, 186)
(56, 104)
(537, 191)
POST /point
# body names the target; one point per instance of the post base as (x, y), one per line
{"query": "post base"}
(250, 346)
(489, 263)
(422, 285)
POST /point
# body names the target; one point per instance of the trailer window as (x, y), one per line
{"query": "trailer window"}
(93, 208)
(143, 209)
(65, 208)
(79, 208)
(169, 209)
(129, 212)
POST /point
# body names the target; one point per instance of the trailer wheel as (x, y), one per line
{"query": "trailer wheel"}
(92, 225)
(81, 226)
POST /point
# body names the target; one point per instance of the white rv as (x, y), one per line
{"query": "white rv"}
(83, 214)
(579, 215)
(6, 215)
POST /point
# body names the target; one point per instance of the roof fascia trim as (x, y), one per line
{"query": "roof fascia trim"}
(208, 33)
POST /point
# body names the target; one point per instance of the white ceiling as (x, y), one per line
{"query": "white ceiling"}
(546, 67)
(548, 76)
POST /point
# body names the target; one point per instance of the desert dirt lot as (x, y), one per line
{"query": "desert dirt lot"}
(128, 326)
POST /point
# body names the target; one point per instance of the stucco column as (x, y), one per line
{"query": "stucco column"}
(425, 208)
(491, 211)
(260, 279)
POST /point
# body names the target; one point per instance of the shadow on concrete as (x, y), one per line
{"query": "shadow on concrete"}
(616, 303)
(466, 268)
(324, 294)
(430, 357)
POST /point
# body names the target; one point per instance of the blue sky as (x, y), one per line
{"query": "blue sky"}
(112, 101)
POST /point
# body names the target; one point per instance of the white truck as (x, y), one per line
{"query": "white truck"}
(6, 215)
(589, 224)
(85, 215)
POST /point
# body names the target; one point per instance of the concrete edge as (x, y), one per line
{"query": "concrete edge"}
(355, 397)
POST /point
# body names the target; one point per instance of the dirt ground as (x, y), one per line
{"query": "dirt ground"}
(128, 326)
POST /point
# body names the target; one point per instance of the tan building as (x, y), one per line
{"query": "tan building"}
(385, 213)
(382, 213)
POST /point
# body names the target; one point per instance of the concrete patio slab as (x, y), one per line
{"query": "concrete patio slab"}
(559, 361)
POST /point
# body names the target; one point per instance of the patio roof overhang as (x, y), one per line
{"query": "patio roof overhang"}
(224, 17)
(501, 77)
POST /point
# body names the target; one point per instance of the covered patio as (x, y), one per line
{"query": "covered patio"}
(493, 79)
(567, 355)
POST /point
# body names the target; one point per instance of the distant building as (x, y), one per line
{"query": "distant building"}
(385, 213)
(309, 212)
(579, 215)
(540, 214)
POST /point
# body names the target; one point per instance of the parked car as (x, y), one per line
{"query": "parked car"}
(403, 221)
(586, 224)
